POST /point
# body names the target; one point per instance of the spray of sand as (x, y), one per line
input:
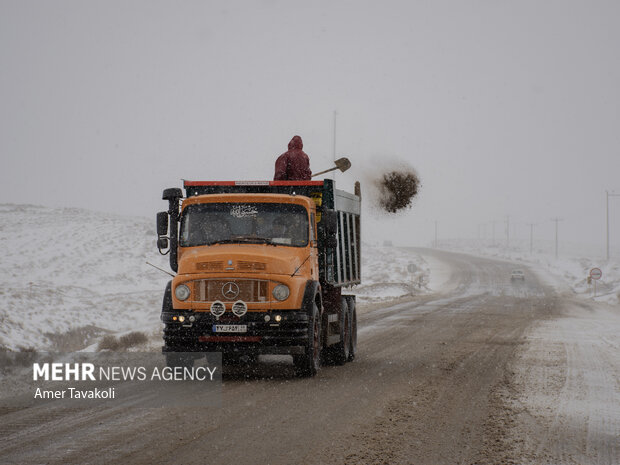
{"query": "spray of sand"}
(394, 187)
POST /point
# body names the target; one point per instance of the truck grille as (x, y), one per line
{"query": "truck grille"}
(250, 290)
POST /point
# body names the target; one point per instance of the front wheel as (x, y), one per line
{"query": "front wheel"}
(353, 331)
(309, 363)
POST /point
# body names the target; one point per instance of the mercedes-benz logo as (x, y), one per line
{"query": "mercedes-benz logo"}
(230, 290)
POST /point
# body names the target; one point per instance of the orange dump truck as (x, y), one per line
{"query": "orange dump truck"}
(260, 270)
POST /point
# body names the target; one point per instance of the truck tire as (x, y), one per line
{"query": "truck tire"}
(308, 365)
(341, 351)
(178, 339)
(353, 331)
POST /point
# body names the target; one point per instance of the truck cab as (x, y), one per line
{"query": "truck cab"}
(260, 267)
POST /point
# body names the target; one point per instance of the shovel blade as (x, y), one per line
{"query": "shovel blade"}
(343, 164)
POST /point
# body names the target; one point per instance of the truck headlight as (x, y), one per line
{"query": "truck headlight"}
(281, 292)
(182, 292)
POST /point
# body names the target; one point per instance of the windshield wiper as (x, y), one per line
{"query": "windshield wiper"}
(246, 239)
(221, 241)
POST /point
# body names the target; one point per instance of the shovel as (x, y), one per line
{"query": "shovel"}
(342, 164)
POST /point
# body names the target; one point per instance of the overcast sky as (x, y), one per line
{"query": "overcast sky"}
(504, 108)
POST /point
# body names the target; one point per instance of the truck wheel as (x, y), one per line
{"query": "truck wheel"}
(177, 339)
(342, 350)
(353, 332)
(309, 363)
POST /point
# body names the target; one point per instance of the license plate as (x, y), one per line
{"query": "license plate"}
(230, 328)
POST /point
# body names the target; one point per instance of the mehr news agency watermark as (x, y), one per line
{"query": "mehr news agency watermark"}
(89, 372)
(84, 378)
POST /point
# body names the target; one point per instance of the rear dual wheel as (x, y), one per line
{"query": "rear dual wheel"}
(346, 349)
(342, 350)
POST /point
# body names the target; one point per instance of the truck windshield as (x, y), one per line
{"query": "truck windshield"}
(257, 223)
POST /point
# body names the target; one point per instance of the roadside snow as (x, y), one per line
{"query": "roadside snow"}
(73, 274)
(566, 396)
(70, 276)
(386, 276)
(439, 278)
(567, 273)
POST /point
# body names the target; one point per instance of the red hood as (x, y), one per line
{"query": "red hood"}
(296, 143)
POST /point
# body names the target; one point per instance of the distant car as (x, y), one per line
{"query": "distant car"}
(517, 274)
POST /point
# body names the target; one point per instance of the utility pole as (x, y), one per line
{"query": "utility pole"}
(335, 117)
(507, 232)
(557, 220)
(531, 237)
(435, 233)
(514, 230)
(607, 195)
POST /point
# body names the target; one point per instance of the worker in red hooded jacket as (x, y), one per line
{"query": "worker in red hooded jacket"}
(294, 164)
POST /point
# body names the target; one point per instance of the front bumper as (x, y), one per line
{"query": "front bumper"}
(264, 334)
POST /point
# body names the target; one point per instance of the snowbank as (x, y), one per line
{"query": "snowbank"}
(69, 275)
(568, 272)
(386, 275)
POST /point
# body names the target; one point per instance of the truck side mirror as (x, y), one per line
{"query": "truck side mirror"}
(162, 223)
(162, 243)
(174, 193)
(330, 220)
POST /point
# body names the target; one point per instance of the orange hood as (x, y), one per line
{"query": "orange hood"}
(242, 258)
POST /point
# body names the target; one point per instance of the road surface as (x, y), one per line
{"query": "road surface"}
(492, 371)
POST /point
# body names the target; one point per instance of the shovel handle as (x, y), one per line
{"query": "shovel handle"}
(325, 171)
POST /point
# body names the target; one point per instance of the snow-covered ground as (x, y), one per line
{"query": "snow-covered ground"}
(69, 276)
(568, 272)
(565, 398)
(386, 275)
